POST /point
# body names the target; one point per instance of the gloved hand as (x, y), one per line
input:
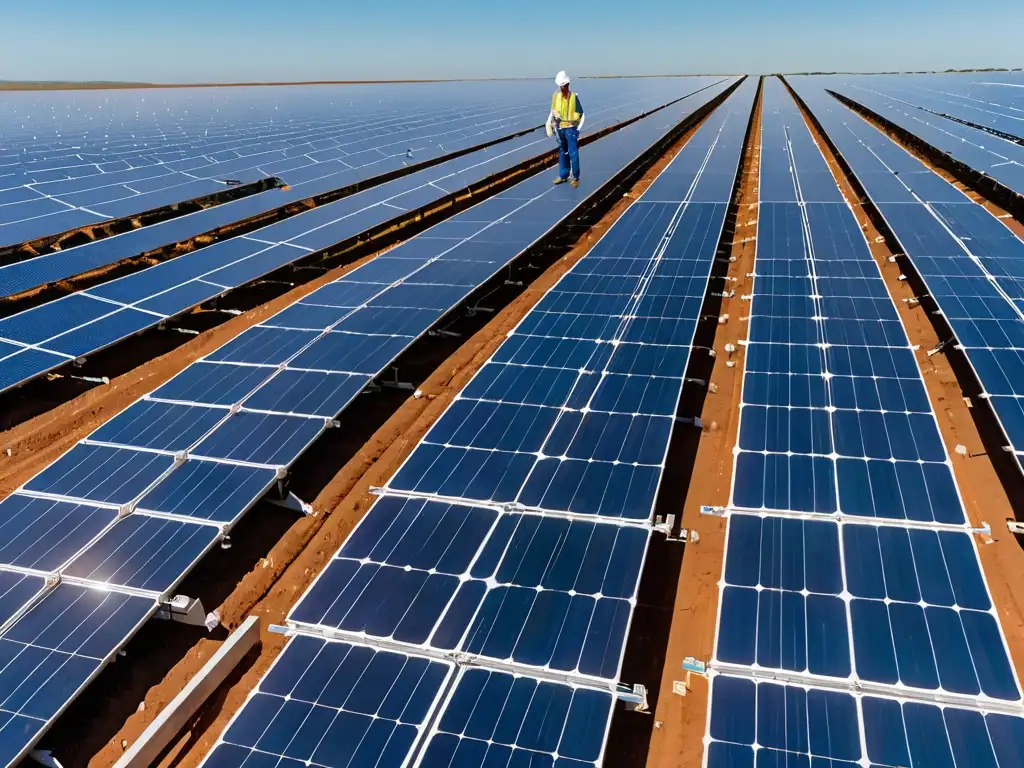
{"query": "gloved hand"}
(579, 125)
(549, 129)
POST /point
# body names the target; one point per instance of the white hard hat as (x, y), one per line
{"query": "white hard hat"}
(562, 79)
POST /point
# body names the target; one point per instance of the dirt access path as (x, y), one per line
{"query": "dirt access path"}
(679, 720)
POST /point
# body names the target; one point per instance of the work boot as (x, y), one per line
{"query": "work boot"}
(560, 181)
(575, 183)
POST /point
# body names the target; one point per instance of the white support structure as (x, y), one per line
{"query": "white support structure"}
(148, 747)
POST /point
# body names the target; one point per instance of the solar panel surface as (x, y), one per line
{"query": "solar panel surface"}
(335, 704)
(989, 100)
(858, 586)
(54, 650)
(766, 723)
(1000, 159)
(969, 261)
(628, 309)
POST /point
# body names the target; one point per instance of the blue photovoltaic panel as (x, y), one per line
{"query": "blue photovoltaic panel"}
(101, 473)
(834, 417)
(210, 485)
(53, 650)
(334, 704)
(101, 177)
(17, 591)
(770, 724)
(209, 490)
(159, 426)
(307, 393)
(498, 718)
(869, 603)
(268, 439)
(144, 552)
(999, 158)
(43, 534)
(968, 259)
(544, 592)
(214, 384)
(988, 100)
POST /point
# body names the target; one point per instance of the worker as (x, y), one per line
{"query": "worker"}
(565, 122)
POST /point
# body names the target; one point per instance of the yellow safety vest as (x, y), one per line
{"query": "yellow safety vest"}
(565, 109)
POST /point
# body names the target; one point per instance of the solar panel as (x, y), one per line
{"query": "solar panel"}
(834, 416)
(43, 534)
(78, 191)
(628, 309)
(966, 257)
(144, 552)
(995, 157)
(498, 718)
(53, 651)
(541, 600)
(771, 723)
(17, 591)
(335, 704)
(987, 100)
(861, 603)
(451, 577)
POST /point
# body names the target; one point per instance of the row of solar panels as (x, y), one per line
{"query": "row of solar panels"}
(50, 187)
(995, 157)
(536, 588)
(123, 188)
(991, 102)
(31, 273)
(41, 339)
(971, 263)
(147, 494)
(856, 582)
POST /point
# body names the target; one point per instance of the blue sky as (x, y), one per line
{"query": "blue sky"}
(239, 40)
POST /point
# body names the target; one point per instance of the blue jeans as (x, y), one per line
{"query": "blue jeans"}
(568, 152)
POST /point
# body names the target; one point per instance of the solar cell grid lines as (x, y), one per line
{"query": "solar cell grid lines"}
(834, 416)
(913, 603)
(773, 723)
(335, 704)
(595, 445)
(445, 577)
(989, 102)
(966, 257)
(82, 176)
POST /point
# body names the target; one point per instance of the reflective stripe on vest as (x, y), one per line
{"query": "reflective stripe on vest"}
(564, 108)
